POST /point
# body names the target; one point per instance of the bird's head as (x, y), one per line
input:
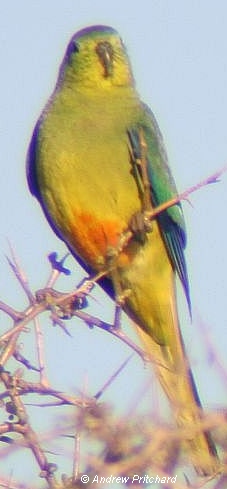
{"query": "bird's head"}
(96, 57)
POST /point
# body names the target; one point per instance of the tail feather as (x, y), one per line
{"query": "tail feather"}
(176, 379)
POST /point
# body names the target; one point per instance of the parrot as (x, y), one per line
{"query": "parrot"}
(98, 166)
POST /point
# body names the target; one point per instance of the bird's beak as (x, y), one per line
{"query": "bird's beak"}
(105, 54)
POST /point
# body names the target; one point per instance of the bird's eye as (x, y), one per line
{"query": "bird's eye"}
(71, 49)
(75, 47)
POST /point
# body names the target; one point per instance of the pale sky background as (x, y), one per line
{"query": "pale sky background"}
(178, 51)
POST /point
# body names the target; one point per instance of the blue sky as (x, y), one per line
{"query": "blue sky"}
(178, 53)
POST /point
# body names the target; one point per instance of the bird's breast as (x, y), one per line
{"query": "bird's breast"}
(87, 183)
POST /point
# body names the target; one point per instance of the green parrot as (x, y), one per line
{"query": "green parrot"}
(98, 166)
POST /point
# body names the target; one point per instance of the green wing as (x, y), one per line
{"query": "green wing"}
(163, 188)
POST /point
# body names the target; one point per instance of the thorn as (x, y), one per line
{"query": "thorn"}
(113, 377)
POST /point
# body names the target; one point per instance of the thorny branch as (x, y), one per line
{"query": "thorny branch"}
(61, 306)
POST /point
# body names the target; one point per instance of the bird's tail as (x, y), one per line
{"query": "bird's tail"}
(174, 374)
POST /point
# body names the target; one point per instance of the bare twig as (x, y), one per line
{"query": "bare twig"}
(19, 274)
(66, 306)
(184, 195)
(113, 377)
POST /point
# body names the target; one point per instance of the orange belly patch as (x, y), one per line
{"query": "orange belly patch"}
(92, 238)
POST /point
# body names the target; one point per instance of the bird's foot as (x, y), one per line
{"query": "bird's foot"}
(120, 301)
(61, 304)
(140, 225)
